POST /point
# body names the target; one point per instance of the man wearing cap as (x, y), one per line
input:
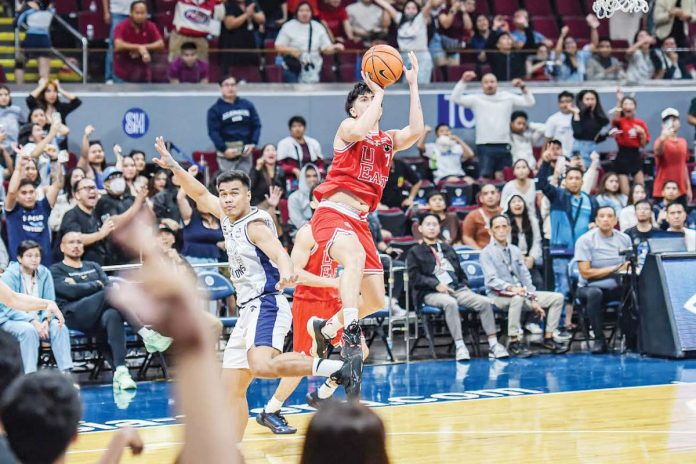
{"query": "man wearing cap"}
(118, 205)
(671, 156)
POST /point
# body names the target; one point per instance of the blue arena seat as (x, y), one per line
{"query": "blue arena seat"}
(229, 322)
(474, 273)
(216, 284)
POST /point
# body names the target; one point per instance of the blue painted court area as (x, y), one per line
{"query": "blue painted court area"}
(418, 382)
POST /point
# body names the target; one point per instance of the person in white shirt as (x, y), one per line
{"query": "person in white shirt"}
(627, 217)
(298, 150)
(492, 111)
(521, 185)
(446, 154)
(524, 136)
(559, 125)
(676, 218)
(368, 21)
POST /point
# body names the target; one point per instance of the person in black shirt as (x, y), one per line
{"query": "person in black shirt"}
(645, 229)
(395, 195)
(588, 120)
(507, 63)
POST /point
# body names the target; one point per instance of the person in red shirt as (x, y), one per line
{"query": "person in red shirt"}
(335, 18)
(632, 135)
(134, 41)
(362, 159)
(671, 156)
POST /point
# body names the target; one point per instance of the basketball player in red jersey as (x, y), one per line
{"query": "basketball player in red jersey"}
(363, 155)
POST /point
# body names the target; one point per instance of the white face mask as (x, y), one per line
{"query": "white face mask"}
(444, 142)
(118, 186)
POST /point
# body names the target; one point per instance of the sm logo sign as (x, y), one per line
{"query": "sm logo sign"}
(135, 123)
(455, 116)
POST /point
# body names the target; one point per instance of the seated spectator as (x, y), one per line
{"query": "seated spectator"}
(10, 369)
(645, 223)
(298, 149)
(670, 194)
(368, 21)
(193, 21)
(92, 158)
(670, 62)
(299, 201)
(521, 185)
(134, 41)
(610, 193)
(597, 253)
(28, 276)
(10, 118)
(46, 96)
(27, 216)
(627, 217)
(602, 66)
(396, 193)
(118, 206)
(588, 120)
(676, 218)
(453, 25)
(188, 68)
(66, 198)
(438, 279)
(81, 292)
(525, 235)
(38, 116)
(446, 154)
(539, 66)
(643, 60)
(234, 127)
(573, 62)
(524, 136)
(238, 34)
(265, 175)
(671, 156)
(633, 135)
(449, 222)
(520, 20)
(163, 196)
(475, 225)
(35, 18)
(510, 286)
(334, 17)
(559, 125)
(303, 59)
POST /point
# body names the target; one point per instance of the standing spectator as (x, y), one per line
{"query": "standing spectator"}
(438, 279)
(643, 59)
(492, 112)
(509, 284)
(449, 223)
(588, 120)
(412, 33)
(521, 185)
(671, 156)
(81, 291)
(397, 193)
(27, 216)
(610, 193)
(671, 19)
(602, 66)
(559, 126)
(691, 117)
(482, 32)
(115, 12)
(35, 18)
(644, 227)
(334, 17)
(453, 24)
(28, 276)
(234, 127)
(163, 196)
(276, 13)
(632, 135)
(193, 21)
(239, 29)
(520, 20)
(524, 136)
(265, 175)
(188, 67)
(676, 218)
(628, 216)
(298, 149)
(92, 159)
(10, 116)
(134, 41)
(598, 255)
(670, 63)
(525, 235)
(446, 154)
(507, 63)
(573, 62)
(475, 225)
(302, 41)
(299, 201)
(368, 21)
(46, 96)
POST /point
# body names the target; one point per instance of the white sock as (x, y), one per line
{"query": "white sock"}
(331, 328)
(327, 389)
(492, 340)
(349, 315)
(274, 405)
(325, 367)
(144, 332)
(459, 343)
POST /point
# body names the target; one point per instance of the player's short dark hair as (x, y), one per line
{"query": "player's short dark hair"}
(10, 360)
(565, 94)
(26, 245)
(574, 168)
(135, 3)
(24, 182)
(40, 413)
(519, 114)
(231, 176)
(606, 207)
(497, 216)
(189, 46)
(675, 203)
(423, 216)
(297, 119)
(360, 88)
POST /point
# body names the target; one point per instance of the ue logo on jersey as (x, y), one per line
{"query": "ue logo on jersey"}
(455, 116)
(135, 123)
(691, 304)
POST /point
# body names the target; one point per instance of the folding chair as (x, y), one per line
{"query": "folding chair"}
(218, 287)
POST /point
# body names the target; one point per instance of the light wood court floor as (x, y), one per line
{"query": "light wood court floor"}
(628, 425)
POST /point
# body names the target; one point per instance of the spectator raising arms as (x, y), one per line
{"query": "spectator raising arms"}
(47, 97)
(573, 62)
(265, 175)
(506, 62)
(453, 25)
(134, 41)
(632, 135)
(643, 60)
(446, 154)
(602, 66)
(188, 67)
(239, 27)
(298, 149)
(92, 159)
(588, 120)
(559, 125)
(671, 156)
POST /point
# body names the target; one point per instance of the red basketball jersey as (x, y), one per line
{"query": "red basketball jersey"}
(321, 264)
(361, 168)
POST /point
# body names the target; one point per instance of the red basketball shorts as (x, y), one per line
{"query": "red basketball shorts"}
(331, 219)
(302, 311)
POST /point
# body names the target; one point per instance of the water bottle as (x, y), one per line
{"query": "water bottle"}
(279, 61)
(93, 6)
(90, 32)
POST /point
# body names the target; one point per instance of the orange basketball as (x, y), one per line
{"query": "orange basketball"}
(383, 64)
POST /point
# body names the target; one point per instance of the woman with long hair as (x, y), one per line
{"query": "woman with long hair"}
(525, 234)
(66, 199)
(163, 196)
(610, 193)
(627, 217)
(139, 159)
(46, 96)
(522, 185)
(129, 174)
(482, 31)
(588, 120)
(266, 174)
(631, 137)
(571, 60)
